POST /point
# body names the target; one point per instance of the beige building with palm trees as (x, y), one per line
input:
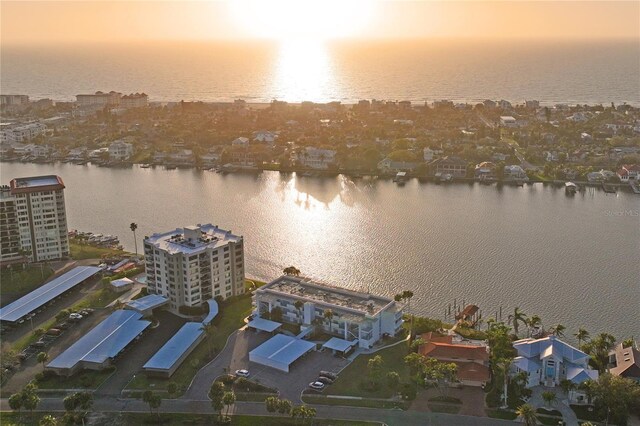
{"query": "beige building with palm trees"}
(357, 317)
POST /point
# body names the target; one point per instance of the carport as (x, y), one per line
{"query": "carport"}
(145, 305)
(338, 345)
(280, 352)
(264, 324)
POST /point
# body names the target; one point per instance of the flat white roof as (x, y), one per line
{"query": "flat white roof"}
(264, 324)
(122, 282)
(171, 351)
(145, 303)
(47, 292)
(282, 349)
(177, 241)
(339, 344)
(104, 341)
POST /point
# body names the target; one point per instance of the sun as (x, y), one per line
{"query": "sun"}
(302, 19)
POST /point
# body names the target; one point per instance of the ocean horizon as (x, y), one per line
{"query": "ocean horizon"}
(573, 72)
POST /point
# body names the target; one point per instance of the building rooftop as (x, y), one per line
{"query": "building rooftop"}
(175, 347)
(627, 361)
(335, 297)
(192, 239)
(36, 183)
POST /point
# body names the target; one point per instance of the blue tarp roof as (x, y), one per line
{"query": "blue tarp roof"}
(338, 344)
(47, 292)
(147, 302)
(282, 349)
(104, 341)
(168, 354)
(213, 311)
(122, 282)
(264, 324)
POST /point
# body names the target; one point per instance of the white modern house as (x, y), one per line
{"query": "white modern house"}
(316, 158)
(120, 150)
(548, 361)
(192, 265)
(356, 317)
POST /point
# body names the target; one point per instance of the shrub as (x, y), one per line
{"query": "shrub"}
(494, 397)
(409, 392)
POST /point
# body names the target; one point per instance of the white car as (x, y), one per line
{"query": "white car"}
(316, 385)
(75, 316)
(242, 373)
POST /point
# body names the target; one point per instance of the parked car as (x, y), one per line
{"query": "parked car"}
(54, 332)
(325, 380)
(329, 374)
(38, 344)
(63, 325)
(75, 317)
(316, 385)
(242, 373)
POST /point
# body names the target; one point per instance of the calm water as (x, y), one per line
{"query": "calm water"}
(570, 260)
(574, 72)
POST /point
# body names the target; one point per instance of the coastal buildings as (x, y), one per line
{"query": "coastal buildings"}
(388, 165)
(471, 359)
(454, 166)
(353, 316)
(99, 99)
(316, 158)
(485, 170)
(629, 172)
(19, 133)
(120, 150)
(192, 265)
(13, 100)
(514, 172)
(9, 228)
(134, 100)
(508, 121)
(42, 217)
(548, 361)
(625, 362)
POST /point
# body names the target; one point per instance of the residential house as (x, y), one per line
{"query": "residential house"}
(485, 170)
(471, 359)
(120, 150)
(210, 159)
(240, 142)
(498, 156)
(514, 172)
(388, 165)
(182, 157)
(264, 136)
(430, 154)
(454, 166)
(508, 121)
(504, 104)
(549, 361)
(550, 156)
(533, 104)
(316, 158)
(629, 172)
(625, 362)
(403, 122)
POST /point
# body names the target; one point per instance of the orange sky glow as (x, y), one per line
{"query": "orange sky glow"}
(32, 22)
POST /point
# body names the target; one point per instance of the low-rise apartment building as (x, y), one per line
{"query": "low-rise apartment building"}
(348, 314)
(192, 265)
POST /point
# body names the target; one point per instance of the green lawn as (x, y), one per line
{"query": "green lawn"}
(351, 379)
(232, 313)
(86, 379)
(97, 299)
(17, 282)
(583, 413)
(501, 414)
(84, 251)
(444, 408)
(29, 338)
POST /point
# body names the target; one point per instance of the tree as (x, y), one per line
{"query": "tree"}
(48, 420)
(628, 343)
(209, 330)
(153, 400)
(15, 402)
(502, 367)
(133, 228)
(393, 380)
(598, 348)
(374, 369)
(440, 373)
(216, 394)
(517, 318)
(534, 322)
(75, 401)
(615, 396)
(406, 297)
(228, 399)
(568, 386)
(528, 415)
(582, 335)
(558, 330)
(30, 398)
(548, 397)
(271, 404)
(42, 357)
(291, 270)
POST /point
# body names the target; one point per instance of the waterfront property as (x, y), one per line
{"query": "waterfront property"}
(471, 359)
(353, 316)
(167, 360)
(548, 361)
(280, 352)
(145, 305)
(625, 362)
(9, 230)
(41, 217)
(192, 265)
(46, 293)
(97, 349)
(453, 166)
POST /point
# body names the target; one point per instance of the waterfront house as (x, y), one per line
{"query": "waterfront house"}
(454, 166)
(266, 137)
(472, 359)
(625, 362)
(352, 316)
(548, 361)
(120, 150)
(182, 157)
(629, 172)
(485, 170)
(210, 159)
(508, 121)
(390, 166)
(316, 158)
(514, 172)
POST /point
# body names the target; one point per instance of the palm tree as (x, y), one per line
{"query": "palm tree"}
(406, 296)
(516, 318)
(48, 420)
(528, 414)
(42, 357)
(533, 322)
(209, 330)
(503, 366)
(582, 335)
(133, 228)
(328, 314)
(548, 397)
(291, 270)
(558, 330)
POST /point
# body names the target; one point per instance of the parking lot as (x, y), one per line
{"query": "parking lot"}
(302, 372)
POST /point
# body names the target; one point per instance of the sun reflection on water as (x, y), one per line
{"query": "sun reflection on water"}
(304, 72)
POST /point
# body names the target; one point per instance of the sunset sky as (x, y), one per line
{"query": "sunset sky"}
(88, 21)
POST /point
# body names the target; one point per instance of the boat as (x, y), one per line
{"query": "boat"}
(635, 187)
(446, 177)
(400, 178)
(570, 188)
(608, 189)
(306, 174)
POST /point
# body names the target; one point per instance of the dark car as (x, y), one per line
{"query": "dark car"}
(325, 380)
(329, 374)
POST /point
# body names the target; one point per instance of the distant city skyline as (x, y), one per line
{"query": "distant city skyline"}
(46, 22)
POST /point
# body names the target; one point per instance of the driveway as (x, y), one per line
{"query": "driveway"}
(235, 356)
(561, 403)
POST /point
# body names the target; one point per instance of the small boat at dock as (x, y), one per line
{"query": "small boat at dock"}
(570, 188)
(400, 178)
